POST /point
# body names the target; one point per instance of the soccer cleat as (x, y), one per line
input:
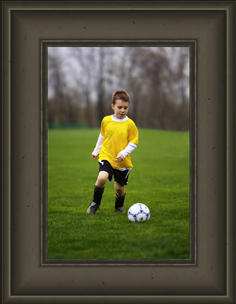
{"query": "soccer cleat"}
(92, 208)
(120, 209)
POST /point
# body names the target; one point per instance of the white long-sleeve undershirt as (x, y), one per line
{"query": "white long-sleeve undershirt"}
(129, 148)
(98, 146)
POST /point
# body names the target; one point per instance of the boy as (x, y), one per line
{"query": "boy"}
(117, 139)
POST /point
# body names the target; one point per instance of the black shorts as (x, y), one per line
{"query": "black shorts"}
(121, 177)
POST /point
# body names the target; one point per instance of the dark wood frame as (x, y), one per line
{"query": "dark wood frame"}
(25, 278)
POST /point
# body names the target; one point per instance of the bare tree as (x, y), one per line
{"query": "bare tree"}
(59, 103)
(155, 78)
(154, 83)
(85, 60)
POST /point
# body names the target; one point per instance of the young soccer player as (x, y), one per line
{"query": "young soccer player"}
(117, 139)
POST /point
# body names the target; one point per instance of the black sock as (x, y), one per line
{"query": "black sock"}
(120, 200)
(97, 195)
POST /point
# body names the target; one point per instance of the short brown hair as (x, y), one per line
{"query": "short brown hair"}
(120, 94)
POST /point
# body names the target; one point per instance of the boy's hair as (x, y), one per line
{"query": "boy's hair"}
(120, 94)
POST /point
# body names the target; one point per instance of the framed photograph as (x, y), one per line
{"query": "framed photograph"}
(208, 30)
(80, 78)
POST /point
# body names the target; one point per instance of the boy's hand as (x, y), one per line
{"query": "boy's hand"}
(119, 157)
(94, 157)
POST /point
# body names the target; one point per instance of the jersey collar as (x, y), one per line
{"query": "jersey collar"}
(118, 119)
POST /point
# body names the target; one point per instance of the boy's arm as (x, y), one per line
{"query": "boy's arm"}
(98, 146)
(129, 148)
(122, 154)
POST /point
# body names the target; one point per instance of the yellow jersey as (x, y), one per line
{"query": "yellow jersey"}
(117, 133)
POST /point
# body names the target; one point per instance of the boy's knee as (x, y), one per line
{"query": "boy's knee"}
(120, 190)
(102, 178)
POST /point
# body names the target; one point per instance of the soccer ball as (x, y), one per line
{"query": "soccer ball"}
(138, 212)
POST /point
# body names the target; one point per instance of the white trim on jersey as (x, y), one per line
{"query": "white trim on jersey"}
(119, 119)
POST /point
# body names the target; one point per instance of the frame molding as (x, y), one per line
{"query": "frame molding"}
(25, 25)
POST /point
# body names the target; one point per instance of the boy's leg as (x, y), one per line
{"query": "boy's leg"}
(120, 197)
(121, 179)
(98, 192)
(102, 178)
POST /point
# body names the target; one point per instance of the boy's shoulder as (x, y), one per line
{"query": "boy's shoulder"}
(106, 118)
(131, 122)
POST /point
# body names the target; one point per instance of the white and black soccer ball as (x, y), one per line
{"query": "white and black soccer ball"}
(138, 212)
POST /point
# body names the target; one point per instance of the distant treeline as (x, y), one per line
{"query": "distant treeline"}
(81, 81)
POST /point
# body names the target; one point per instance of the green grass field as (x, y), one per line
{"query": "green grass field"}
(159, 179)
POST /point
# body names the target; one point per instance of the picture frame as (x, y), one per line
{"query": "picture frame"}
(25, 278)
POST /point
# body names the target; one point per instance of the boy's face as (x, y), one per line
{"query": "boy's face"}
(120, 108)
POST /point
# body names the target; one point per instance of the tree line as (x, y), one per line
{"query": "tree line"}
(81, 81)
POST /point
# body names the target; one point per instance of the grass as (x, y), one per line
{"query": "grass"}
(159, 179)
